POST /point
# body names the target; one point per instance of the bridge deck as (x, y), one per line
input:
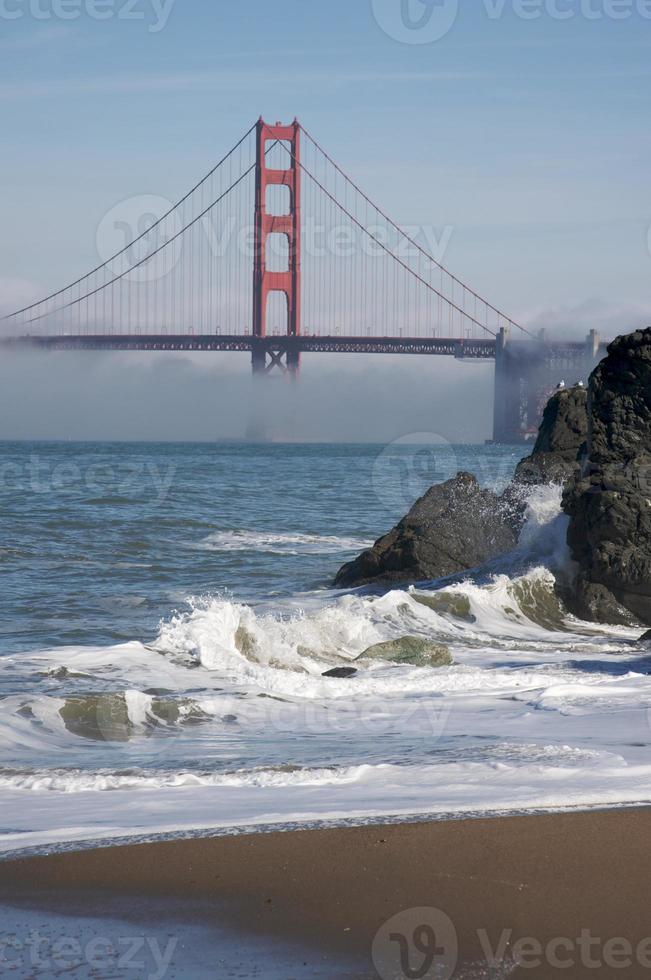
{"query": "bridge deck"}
(444, 346)
(484, 349)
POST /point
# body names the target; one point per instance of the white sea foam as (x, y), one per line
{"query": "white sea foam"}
(538, 710)
(368, 792)
(544, 533)
(306, 544)
(94, 782)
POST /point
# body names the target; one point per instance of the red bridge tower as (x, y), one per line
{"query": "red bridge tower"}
(264, 281)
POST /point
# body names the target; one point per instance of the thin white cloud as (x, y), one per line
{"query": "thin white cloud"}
(244, 81)
(575, 322)
(210, 81)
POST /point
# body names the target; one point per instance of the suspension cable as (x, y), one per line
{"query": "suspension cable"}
(404, 265)
(418, 246)
(146, 258)
(117, 255)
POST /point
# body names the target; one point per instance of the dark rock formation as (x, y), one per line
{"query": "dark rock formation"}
(457, 525)
(340, 672)
(454, 527)
(561, 440)
(609, 501)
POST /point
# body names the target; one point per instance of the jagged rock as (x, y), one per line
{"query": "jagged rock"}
(341, 672)
(609, 501)
(457, 526)
(592, 602)
(557, 453)
(415, 650)
(561, 440)
(454, 527)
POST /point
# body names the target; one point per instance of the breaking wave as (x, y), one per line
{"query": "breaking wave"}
(63, 781)
(228, 704)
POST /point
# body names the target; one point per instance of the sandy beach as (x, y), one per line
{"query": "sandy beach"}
(540, 896)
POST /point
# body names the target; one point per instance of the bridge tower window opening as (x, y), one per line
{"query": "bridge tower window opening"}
(277, 314)
(277, 252)
(278, 202)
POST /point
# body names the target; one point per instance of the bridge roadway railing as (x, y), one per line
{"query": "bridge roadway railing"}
(451, 347)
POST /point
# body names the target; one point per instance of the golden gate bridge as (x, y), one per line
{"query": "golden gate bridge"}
(276, 251)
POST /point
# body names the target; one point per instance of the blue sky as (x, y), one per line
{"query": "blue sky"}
(529, 137)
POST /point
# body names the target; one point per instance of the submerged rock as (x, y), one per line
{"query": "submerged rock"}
(100, 717)
(105, 717)
(446, 603)
(341, 672)
(415, 650)
(246, 642)
(63, 673)
(455, 527)
(609, 501)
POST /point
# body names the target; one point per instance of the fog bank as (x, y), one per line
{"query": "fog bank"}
(170, 397)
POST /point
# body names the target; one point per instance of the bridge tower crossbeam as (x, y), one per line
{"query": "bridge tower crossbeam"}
(266, 282)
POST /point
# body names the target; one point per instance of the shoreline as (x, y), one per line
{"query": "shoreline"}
(255, 829)
(544, 878)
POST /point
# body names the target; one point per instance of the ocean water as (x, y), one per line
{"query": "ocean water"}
(166, 617)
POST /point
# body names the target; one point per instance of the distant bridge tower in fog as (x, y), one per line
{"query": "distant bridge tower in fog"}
(327, 271)
(527, 372)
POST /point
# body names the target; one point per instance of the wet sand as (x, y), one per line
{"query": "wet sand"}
(563, 895)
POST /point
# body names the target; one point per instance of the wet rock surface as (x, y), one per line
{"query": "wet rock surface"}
(561, 440)
(458, 525)
(609, 501)
(597, 443)
(455, 526)
(342, 673)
